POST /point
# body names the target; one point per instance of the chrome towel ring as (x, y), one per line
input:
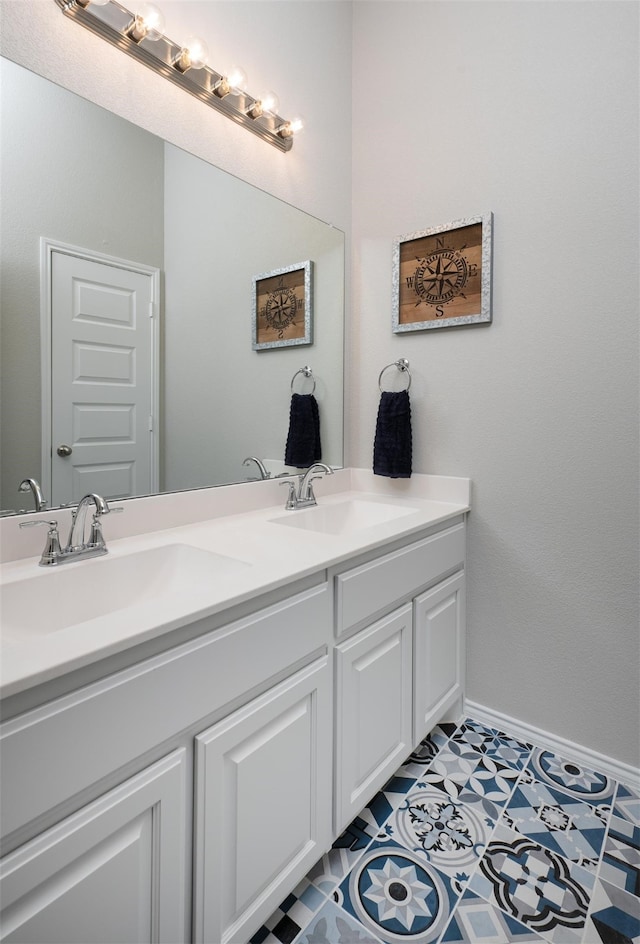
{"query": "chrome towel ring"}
(403, 366)
(307, 373)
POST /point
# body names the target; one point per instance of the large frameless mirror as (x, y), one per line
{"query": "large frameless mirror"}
(128, 273)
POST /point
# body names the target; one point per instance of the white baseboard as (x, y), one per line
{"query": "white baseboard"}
(559, 745)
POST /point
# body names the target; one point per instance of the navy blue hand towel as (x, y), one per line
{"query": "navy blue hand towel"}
(303, 441)
(392, 443)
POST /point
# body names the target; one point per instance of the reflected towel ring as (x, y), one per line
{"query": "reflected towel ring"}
(403, 366)
(308, 373)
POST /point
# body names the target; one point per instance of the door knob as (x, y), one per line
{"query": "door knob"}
(64, 451)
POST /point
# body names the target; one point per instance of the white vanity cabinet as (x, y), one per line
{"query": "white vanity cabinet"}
(114, 871)
(397, 675)
(101, 782)
(263, 804)
(180, 792)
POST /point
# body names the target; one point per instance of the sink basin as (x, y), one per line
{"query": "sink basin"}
(64, 596)
(343, 517)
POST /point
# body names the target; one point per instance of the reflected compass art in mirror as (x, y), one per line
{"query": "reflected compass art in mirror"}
(282, 307)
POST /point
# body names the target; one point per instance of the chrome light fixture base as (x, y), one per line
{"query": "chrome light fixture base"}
(113, 22)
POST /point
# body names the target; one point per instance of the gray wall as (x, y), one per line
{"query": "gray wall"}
(529, 110)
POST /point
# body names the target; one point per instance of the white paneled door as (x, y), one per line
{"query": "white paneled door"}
(103, 376)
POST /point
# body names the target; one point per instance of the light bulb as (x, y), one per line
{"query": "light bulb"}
(96, 3)
(231, 84)
(153, 20)
(267, 104)
(270, 102)
(237, 79)
(289, 128)
(193, 55)
(148, 23)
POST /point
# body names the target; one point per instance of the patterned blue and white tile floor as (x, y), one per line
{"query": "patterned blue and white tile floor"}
(478, 838)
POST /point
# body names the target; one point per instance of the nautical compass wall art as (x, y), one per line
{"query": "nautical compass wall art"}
(282, 307)
(442, 276)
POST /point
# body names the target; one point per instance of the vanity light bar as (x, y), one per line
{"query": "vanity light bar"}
(114, 22)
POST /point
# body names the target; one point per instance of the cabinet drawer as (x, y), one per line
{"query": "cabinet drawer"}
(53, 752)
(368, 589)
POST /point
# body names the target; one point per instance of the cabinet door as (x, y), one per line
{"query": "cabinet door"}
(373, 737)
(263, 804)
(438, 653)
(113, 872)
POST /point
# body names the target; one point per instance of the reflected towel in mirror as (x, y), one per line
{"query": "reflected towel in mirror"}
(303, 441)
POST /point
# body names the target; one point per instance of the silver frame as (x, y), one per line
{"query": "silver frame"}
(308, 308)
(484, 316)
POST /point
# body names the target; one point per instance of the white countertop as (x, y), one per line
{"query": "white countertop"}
(252, 553)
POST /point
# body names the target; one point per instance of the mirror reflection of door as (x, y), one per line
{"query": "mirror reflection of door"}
(102, 416)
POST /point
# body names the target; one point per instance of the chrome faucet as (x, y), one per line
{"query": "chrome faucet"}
(77, 547)
(76, 540)
(33, 486)
(261, 466)
(304, 497)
